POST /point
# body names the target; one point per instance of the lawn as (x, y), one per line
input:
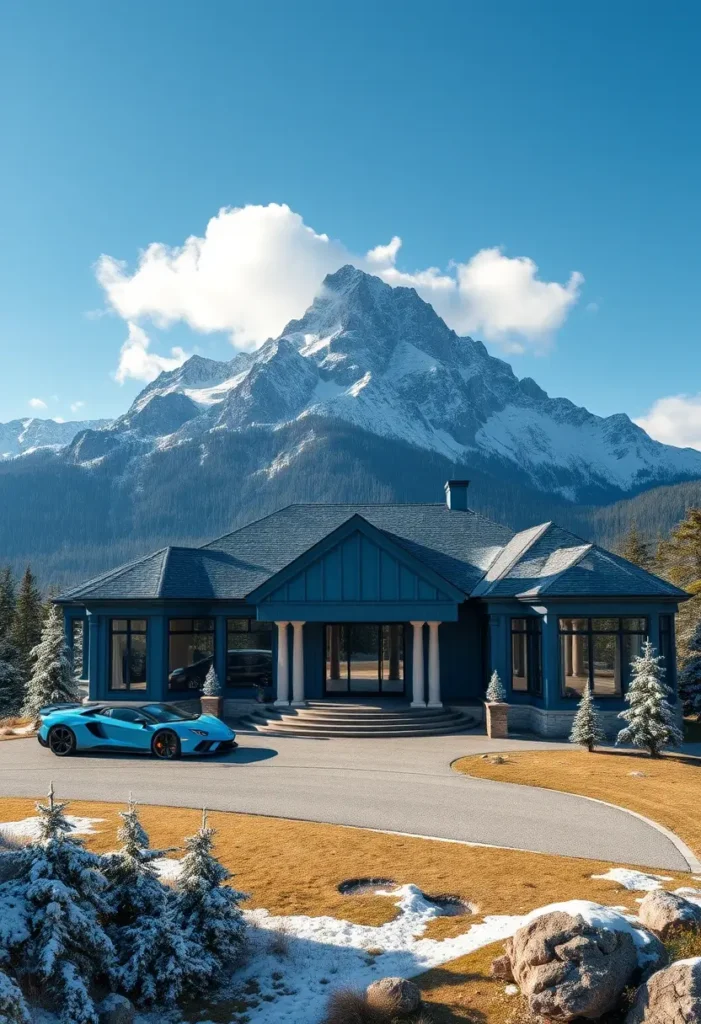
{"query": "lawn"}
(294, 867)
(666, 789)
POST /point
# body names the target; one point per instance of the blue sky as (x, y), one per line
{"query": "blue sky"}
(565, 134)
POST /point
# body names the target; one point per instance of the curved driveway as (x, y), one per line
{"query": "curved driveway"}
(391, 784)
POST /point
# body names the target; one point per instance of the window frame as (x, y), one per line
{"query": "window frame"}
(590, 633)
(254, 626)
(127, 632)
(533, 631)
(192, 619)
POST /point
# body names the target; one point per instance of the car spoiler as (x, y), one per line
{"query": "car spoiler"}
(49, 709)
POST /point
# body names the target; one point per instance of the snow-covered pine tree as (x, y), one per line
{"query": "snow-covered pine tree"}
(496, 694)
(650, 716)
(159, 962)
(13, 1008)
(62, 948)
(212, 686)
(209, 909)
(690, 675)
(586, 727)
(134, 886)
(51, 677)
(11, 681)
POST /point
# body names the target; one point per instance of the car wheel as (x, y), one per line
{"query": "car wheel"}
(165, 745)
(61, 741)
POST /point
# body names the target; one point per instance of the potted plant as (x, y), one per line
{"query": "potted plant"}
(496, 709)
(211, 701)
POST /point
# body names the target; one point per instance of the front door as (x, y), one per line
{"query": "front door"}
(364, 658)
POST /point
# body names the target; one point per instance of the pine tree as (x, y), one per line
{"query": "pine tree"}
(61, 948)
(496, 694)
(51, 676)
(209, 909)
(679, 561)
(690, 675)
(8, 602)
(13, 1008)
(26, 628)
(650, 717)
(586, 727)
(212, 686)
(635, 549)
(135, 887)
(159, 963)
(11, 681)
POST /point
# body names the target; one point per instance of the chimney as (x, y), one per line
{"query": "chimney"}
(456, 494)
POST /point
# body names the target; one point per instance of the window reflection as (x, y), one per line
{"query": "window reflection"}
(598, 651)
(249, 652)
(127, 654)
(190, 652)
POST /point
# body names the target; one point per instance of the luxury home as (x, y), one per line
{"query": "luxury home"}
(417, 603)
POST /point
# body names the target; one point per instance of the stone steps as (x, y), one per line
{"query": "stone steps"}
(328, 720)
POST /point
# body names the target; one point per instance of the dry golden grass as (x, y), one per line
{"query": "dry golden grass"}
(295, 867)
(668, 791)
(8, 725)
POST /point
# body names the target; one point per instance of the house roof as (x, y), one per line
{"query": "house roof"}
(478, 557)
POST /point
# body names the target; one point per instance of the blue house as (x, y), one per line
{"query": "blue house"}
(414, 602)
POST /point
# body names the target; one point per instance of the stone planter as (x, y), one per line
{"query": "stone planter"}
(212, 706)
(497, 717)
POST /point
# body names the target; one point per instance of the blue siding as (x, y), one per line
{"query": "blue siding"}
(356, 570)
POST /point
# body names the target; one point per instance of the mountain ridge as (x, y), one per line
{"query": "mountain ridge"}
(368, 396)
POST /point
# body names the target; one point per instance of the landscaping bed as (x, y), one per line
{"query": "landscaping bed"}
(665, 789)
(312, 898)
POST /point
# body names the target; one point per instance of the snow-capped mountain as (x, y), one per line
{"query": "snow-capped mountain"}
(368, 397)
(20, 437)
(381, 360)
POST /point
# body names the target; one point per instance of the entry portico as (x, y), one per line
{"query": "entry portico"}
(413, 602)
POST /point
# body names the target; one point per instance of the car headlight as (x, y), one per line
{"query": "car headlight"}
(199, 732)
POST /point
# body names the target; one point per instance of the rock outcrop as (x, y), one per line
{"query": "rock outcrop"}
(665, 912)
(398, 995)
(569, 969)
(670, 996)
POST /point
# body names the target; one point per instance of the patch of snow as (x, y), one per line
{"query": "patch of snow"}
(28, 828)
(324, 953)
(512, 990)
(169, 869)
(634, 881)
(213, 395)
(692, 895)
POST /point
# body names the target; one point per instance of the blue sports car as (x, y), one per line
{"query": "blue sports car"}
(162, 730)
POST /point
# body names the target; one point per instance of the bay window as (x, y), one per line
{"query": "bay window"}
(598, 651)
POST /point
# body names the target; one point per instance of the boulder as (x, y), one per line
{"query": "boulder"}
(398, 995)
(115, 1009)
(567, 968)
(671, 996)
(666, 912)
(501, 968)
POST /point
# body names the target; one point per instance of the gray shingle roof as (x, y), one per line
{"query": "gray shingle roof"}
(477, 556)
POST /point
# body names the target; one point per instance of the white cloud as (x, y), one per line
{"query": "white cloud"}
(136, 362)
(59, 419)
(257, 267)
(75, 406)
(37, 403)
(675, 420)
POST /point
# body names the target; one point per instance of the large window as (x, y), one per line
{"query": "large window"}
(364, 658)
(190, 652)
(127, 654)
(526, 658)
(249, 657)
(667, 648)
(598, 651)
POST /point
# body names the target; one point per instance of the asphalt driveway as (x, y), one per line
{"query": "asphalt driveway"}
(400, 785)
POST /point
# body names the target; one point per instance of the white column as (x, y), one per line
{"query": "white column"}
(283, 668)
(418, 700)
(297, 663)
(434, 667)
